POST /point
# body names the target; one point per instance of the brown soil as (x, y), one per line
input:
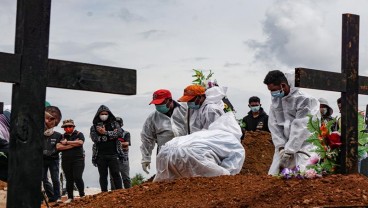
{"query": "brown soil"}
(259, 151)
(251, 188)
(238, 191)
(3, 185)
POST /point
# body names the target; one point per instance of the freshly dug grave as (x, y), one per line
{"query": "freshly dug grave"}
(259, 152)
(251, 188)
(238, 191)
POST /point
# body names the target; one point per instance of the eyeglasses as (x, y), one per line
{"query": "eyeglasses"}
(66, 127)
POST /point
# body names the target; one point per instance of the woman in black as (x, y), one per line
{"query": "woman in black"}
(72, 158)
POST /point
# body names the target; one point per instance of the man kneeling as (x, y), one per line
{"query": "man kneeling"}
(207, 153)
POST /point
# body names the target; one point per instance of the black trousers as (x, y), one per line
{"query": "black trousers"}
(110, 163)
(73, 169)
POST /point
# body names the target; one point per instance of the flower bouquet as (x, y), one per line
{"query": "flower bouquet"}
(327, 146)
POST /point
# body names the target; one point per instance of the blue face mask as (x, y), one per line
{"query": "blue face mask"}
(192, 105)
(162, 108)
(278, 93)
(255, 108)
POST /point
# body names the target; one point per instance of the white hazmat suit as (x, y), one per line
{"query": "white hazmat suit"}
(288, 125)
(213, 152)
(211, 109)
(159, 128)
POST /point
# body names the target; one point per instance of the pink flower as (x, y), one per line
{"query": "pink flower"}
(313, 159)
(311, 173)
(334, 140)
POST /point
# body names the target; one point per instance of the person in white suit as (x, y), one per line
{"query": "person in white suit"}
(288, 118)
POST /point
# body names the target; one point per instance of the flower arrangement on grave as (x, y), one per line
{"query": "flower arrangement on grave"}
(327, 148)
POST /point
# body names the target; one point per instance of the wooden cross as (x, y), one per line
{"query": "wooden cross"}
(349, 83)
(31, 71)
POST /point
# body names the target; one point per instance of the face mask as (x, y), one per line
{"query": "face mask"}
(162, 108)
(193, 106)
(69, 130)
(323, 111)
(255, 108)
(104, 117)
(277, 94)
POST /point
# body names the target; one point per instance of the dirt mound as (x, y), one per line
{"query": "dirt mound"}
(259, 151)
(238, 191)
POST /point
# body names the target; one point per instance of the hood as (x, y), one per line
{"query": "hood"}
(215, 95)
(97, 119)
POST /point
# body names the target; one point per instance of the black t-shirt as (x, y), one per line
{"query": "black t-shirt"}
(49, 144)
(76, 152)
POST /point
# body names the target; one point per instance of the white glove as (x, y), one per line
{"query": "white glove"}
(281, 152)
(146, 165)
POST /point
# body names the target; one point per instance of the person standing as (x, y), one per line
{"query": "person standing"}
(4, 144)
(257, 119)
(288, 120)
(105, 132)
(72, 158)
(165, 123)
(124, 168)
(51, 159)
(204, 106)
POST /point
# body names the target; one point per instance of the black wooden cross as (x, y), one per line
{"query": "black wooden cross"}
(349, 83)
(31, 71)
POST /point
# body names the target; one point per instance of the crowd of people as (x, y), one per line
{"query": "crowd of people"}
(201, 111)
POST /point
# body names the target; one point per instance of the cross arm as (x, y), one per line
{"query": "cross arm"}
(10, 67)
(324, 80)
(74, 75)
(90, 77)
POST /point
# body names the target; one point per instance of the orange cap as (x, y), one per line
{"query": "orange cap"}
(191, 92)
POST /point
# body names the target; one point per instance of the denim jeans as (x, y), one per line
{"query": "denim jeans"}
(53, 166)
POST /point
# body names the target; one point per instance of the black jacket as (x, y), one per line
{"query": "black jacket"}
(258, 123)
(106, 143)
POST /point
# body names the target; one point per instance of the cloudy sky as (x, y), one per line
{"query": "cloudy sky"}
(239, 40)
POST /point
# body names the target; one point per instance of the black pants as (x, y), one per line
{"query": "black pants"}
(73, 169)
(110, 163)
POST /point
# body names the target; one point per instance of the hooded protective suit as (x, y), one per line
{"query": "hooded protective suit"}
(213, 152)
(159, 128)
(211, 109)
(288, 125)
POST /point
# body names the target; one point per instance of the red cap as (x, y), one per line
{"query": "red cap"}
(159, 96)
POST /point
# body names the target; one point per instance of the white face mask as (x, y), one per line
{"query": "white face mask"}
(104, 117)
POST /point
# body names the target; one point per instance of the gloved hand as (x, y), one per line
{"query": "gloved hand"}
(281, 152)
(146, 165)
(285, 160)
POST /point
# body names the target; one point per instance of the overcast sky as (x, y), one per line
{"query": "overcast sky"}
(239, 40)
